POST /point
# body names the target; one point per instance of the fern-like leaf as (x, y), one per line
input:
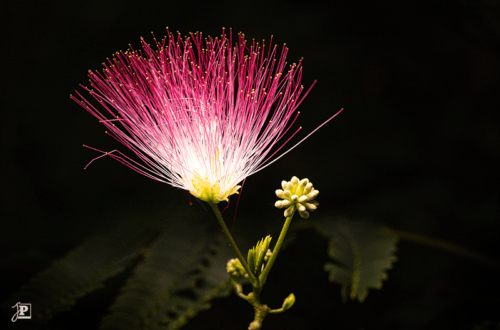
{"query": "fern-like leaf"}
(182, 271)
(363, 251)
(212, 281)
(488, 325)
(85, 268)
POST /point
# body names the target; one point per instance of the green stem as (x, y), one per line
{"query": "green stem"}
(270, 263)
(238, 288)
(261, 310)
(446, 246)
(233, 245)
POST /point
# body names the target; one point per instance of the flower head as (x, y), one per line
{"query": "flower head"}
(201, 114)
(297, 195)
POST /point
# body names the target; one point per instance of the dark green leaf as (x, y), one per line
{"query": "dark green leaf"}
(363, 251)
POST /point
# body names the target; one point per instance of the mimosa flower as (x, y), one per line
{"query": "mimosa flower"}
(201, 114)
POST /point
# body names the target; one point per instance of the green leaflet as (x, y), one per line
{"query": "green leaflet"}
(363, 251)
(256, 255)
(165, 292)
(214, 284)
(85, 268)
(488, 325)
(252, 260)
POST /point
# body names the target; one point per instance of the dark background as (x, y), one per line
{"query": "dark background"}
(415, 148)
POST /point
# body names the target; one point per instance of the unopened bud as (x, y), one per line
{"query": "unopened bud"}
(310, 206)
(235, 268)
(304, 214)
(313, 194)
(308, 188)
(269, 253)
(279, 193)
(301, 208)
(302, 186)
(303, 199)
(289, 301)
(289, 211)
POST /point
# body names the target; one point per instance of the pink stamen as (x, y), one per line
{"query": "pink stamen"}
(197, 107)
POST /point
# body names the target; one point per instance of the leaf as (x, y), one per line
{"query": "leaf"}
(85, 268)
(363, 251)
(488, 325)
(214, 283)
(184, 270)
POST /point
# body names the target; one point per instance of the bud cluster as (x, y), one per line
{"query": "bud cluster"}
(297, 195)
(258, 256)
(268, 255)
(235, 268)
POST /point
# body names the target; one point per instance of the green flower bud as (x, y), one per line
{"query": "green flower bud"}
(303, 199)
(302, 186)
(268, 255)
(289, 301)
(310, 206)
(289, 211)
(297, 195)
(235, 268)
(304, 214)
(313, 194)
(308, 188)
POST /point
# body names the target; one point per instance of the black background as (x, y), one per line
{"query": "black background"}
(416, 147)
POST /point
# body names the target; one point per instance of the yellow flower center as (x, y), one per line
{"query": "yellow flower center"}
(210, 192)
